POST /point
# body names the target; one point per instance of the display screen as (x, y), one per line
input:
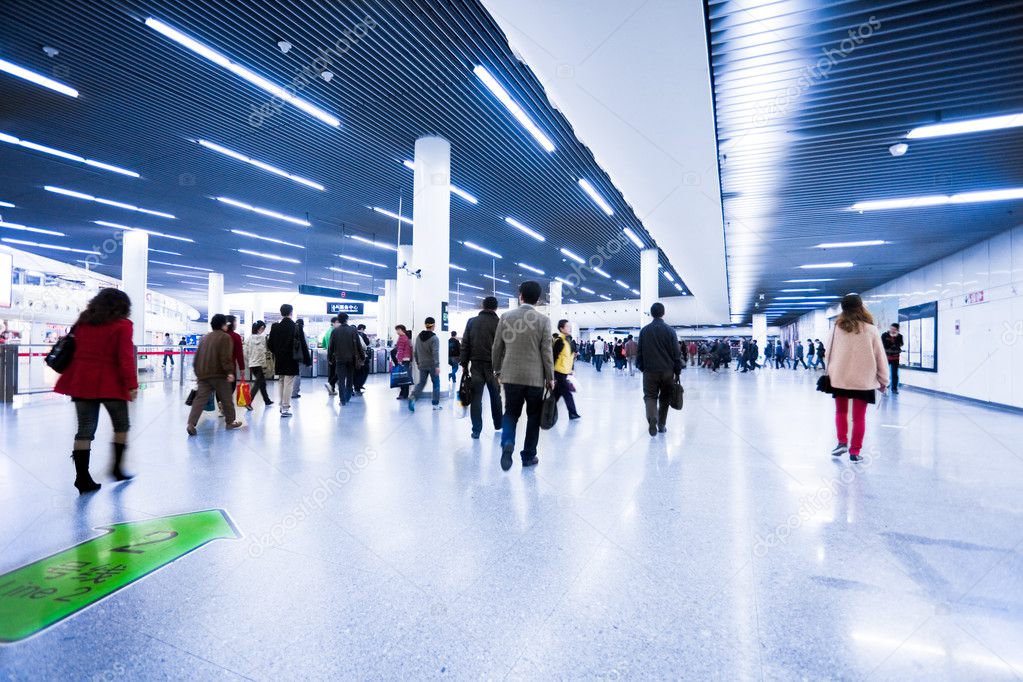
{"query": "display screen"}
(920, 331)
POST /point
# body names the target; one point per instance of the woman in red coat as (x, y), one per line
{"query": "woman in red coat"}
(102, 372)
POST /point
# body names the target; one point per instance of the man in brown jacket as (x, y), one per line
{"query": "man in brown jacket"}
(214, 371)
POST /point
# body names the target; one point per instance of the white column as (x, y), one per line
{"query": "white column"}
(649, 259)
(431, 231)
(760, 331)
(554, 309)
(821, 326)
(215, 295)
(258, 309)
(402, 305)
(387, 321)
(134, 275)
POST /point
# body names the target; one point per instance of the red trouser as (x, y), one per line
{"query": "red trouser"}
(859, 410)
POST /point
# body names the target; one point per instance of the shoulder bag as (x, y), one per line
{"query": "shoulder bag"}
(824, 381)
(62, 353)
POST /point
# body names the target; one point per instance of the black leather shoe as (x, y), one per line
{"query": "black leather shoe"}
(662, 429)
(652, 429)
(575, 416)
(475, 435)
(506, 457)
(531, 462)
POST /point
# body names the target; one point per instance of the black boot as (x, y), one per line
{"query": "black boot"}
(115, 469)
(83, 481)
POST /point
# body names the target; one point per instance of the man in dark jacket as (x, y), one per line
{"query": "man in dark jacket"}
(347, 350)
(362, 374)
(660, 361)
(454, 355)
(477, 344)
(287, 348)
(214, 365)
(892, 342)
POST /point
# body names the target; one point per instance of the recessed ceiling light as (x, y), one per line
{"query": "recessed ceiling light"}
(976, 125)
(477, 247)
(54, 247)
(356, 259)
(259, 164)
(843, 245)
(253, 235)
(263, 211)
(496, 279)
(597, 199)
(36, 78)
(667, 276)
(108, 202)
(898, 149)
(471, 286)
(531, 232)
(349, 272)
(269, 279)
(154, 233)
(797, 290)
(634, 238)
(573, 256)
(513, 107)
(10, 139)
(530, 268)
(816, 266)
(799, 298)
(939, 200)
(457, 267)
(268, 256)
(601, 273)
(819, 279)
(588, 291)
(371, 242)
(256, 267)
(26, 228)
(176, 265)
(605, 297)
(390, 214)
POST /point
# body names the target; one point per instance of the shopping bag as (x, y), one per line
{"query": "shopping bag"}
(211, 404)
(400, 376)
(549, 411)
(243, 394)
(677, 395)
(191, 397)
(465, 390)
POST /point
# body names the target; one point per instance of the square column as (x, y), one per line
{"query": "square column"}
(649, 260)
(385, 310)
(134, 277)
(431, 229)
(215, 295)
(760, 331)
(554, 308)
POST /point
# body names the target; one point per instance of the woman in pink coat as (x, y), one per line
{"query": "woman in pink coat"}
(857, 366)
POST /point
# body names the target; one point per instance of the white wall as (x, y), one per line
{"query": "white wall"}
(984, 359)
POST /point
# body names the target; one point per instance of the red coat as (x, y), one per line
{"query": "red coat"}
(103, 366)
(239, 351)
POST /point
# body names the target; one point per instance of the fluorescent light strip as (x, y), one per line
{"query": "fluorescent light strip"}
(497, 279)
(176, 265)
(601, 273)
(116, 226)
(818, 266)
(605, 297)
(679, 287)
(268, 256)
(635, 291)
(6, 204)
(454, 190)
(843, 245)
(820, 279)
(667, 276)
(253, 235)
(471, 286)
(621, 284)
(512, 106)
(940, 200)
(597, 199)
(564, 281)
(362, 260)
(26, 228)
(240, 71)
(977, 125)
(634, 238)
(573, 256)
(379, 245)
(391, 214)
(108, 202)
(531, 232)
(263, 211)
(349, 272)
(36, 78)
(256, 267)
(48, 246)
(259, 164)
(477, 247)
(169, 253)
(530, 268)
(798, 298)
(185, 274)
(457, 267)
(792, 291)
(264, 286)
(269, 279)
(65, 155)
(588, 291)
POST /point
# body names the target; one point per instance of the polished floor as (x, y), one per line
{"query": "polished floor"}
(379, 544)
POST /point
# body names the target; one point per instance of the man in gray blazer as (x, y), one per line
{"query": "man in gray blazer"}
(524, 364)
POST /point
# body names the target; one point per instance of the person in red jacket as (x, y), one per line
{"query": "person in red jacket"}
(238, 352)
(102, 372)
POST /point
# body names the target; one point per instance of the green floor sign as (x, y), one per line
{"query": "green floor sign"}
(34, 597)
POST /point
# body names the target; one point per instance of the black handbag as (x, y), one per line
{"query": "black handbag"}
(677, 396)
(549, 411)
(824, 384)
(191, 397)
(465, 392)
(62, 353)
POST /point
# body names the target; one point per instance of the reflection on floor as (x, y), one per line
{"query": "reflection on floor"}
(382, 544)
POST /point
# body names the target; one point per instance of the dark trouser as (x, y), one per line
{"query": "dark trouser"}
(425, 374)
(562, 390)
(515, 396)
(361, 375)
(345, 380)
(260, 385)
(779, 361)
(795, 363)
(169, 358)
(893, 368)
(403, 391)
(656, 394)
(88, 416)
(219, 385)
(454, 369)
(332, 373)
(482, 374)
(598, 361)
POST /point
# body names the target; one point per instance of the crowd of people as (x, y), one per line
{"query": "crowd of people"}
(516, 359)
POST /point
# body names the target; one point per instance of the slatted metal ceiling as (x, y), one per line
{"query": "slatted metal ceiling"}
(795, 154)
(145, 99)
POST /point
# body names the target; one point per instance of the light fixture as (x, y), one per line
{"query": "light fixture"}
(601, 273)
(531, 232)
(355, 259)
(819, 279)
(169, 253)
(11, 139)
(176, 265)
(108, 202)
(253, 235)
(268, 256)
(6, 204)
(679, 288)
(843, 245)
(457, 267)
(635, 292)
(454, 190)
(496, 279)
(799, 298)
(786, 291)
(284, 46)
(597, 199)
(471, 286)
(512, 106)
(976, 125)
(154, 233)
(379, 245)
(240, 71)
(55, 247)
(36, 78)
(256, 267)
(185, 274)
(564, 281)
(820, 266)
(605, 297)
(588, 291)
(349, 272)
(26, 228)
(269, 279)
(259, 164)
(576, 258)
(634, 238)
(939, 200)
(898, 149)
(263, 211)
(477, 247)
(621, 284)
(327, 75)
(390, 214)
(530, 268)
(667, 276)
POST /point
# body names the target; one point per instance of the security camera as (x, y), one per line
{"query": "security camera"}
(284, 46)
(51, 52)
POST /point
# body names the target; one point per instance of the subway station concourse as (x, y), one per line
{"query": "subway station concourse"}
(511, 339)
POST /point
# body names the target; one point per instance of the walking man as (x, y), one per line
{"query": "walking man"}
(286, 346)
(631, 348)
(564, 362)
(454, 355)
(477, 359)
(524, 364)
(797, 349)
(426, 353)
(331, 367)
(892, 342)
(348, 352)
(362, 371)
(661, 363)
(214, 373)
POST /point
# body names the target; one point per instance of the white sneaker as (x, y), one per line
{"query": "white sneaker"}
(438, 407)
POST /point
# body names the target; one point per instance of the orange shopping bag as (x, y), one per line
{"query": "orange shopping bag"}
(244, 394)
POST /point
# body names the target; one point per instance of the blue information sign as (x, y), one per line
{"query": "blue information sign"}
(350, 307)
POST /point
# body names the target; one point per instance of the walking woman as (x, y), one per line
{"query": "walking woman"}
(257, 356)
(102, 372)
(402, 354)
(857, 367)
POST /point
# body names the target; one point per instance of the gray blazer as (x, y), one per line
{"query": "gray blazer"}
(522, 347)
